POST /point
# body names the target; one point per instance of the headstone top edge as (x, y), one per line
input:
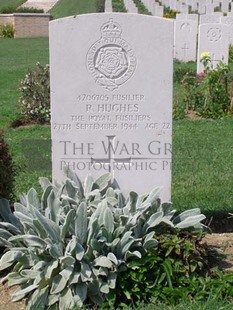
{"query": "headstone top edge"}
(117, 14)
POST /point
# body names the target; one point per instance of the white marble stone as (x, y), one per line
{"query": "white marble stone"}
(108, 6)
(185, 40)
(130, 6)
(209, 19)
(216, 3)
(225, 6)
(154, 8)
(201, 8)
(210, 8)
(212, 38)
(111, 98)
(219, 14)
(227, 20)
(159, 11)
(194, 5)
(187, 17)
(184, 8)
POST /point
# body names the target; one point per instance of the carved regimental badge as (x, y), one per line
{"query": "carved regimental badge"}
(111, 60)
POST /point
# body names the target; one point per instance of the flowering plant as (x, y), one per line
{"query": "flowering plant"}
(35, 95)
(208, 93)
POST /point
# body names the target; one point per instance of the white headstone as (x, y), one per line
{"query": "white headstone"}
(209, 8)
(185, 41)
(209, 19)
(108, 6)
(216, 3)
(159, 11)
(194, 5)
(227, 20)
(130, 6)
(217, 14)
(212, 38)
(187, 17)
(111, 97)
(225, 6)
(184, 9)
(201, 8)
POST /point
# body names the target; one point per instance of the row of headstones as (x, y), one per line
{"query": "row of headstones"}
(183, 6)
(200, 6)
(152, 6)
(213, 38)
(215, 35)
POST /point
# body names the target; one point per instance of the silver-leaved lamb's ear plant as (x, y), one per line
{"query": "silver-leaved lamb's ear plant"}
(68, 248)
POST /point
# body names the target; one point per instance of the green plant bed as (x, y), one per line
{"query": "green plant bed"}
(141, 7)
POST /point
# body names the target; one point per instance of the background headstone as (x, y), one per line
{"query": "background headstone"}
(212, 38)
(185, 40)
(209, 19)
(227, 20)
(111, 97)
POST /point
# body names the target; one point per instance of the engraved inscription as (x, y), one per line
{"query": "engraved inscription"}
(117, 155)
(110, 60)
(124, 113)
(228, 21)
(185, 27)
(62, 127)
(106, 98)
(214, 34)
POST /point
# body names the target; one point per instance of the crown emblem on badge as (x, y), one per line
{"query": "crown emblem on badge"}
(111, 30)
(110, 60)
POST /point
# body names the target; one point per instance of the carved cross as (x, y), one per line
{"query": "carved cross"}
(185, 48)
(110, 159)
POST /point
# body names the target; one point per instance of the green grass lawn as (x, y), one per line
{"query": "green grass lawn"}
(17, 56)
(4, 4)
(213, 304)
(203, 164)
(202, 149)
(65, 8)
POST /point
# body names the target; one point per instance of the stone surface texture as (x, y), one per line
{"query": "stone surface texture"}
(112, 98)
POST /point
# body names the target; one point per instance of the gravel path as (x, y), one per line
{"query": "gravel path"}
(45, 5)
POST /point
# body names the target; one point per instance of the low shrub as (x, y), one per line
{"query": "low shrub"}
(7, 31)
(171, 265)
(35, 95)
(141, 7)
(7, 170)
(11, 10)
(70, 248)
(118, 6)
(169, 13)
(180, 71)
(230, 53)
(208, 93)
(177, 271)
(100, 6)
(29, 10)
